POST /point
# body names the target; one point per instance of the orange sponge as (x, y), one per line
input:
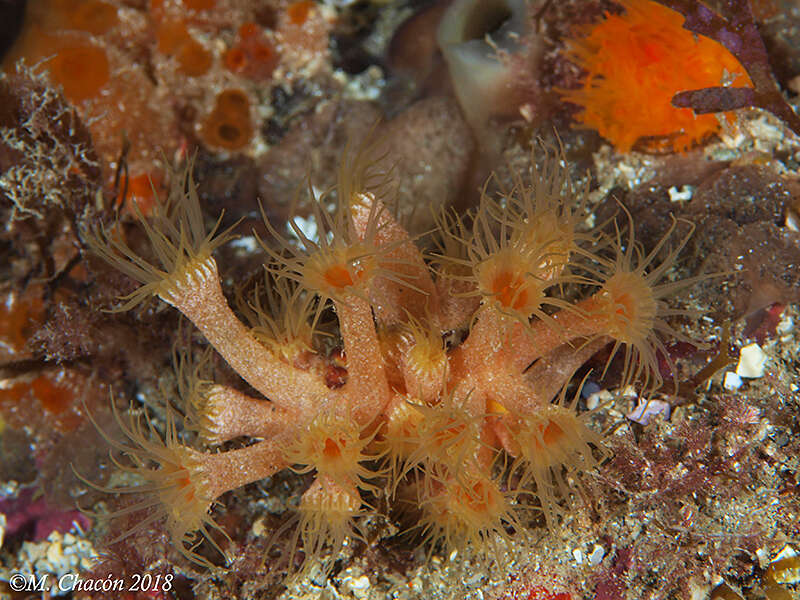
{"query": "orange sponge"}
(81, 69)
(175, 40)
(634, 63)
(229, 125)
(253, 56)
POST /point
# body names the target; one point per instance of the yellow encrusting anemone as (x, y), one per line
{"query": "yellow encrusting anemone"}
(436, 388)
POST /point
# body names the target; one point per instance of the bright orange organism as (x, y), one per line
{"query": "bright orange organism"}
(634, 63)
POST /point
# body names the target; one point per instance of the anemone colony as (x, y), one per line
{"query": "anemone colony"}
(454, 399)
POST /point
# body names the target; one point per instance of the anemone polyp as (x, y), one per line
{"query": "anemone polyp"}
(326, 515)
(505, 278)
(555, 439)
(334, 447)
(283, 319)
(627, 303)
(555, 240)
(339, 269)
(447, 437)
(468, 510)
(630, 306)
(182, 484)
(179, 491)
(424, 363)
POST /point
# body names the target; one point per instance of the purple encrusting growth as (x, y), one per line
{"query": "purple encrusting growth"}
(24, 513)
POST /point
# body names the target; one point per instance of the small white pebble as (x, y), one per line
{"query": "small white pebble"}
(790, 574)
(526, 110)
(258, 527)
(359, 586)
(732, 381)
(682, 195)
(308, 227)
(594, 400)
(786, 325)
(763, 557)
(752, 361)
(596, 556)
(792, 221)
(786, 552)
(55, 552)
(246, 243)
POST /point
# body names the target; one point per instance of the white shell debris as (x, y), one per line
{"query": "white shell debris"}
(785, 326)
(681, 195)
(246, 243)
(597, 398)
(752, 361)
(308, 227)
(55, 557)
(792, 220)
(732, 381)
(596, 556)
(788, 575)
(646, 409)
(358, 586)
(592, 559)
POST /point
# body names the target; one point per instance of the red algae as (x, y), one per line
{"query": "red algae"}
(634, 63)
